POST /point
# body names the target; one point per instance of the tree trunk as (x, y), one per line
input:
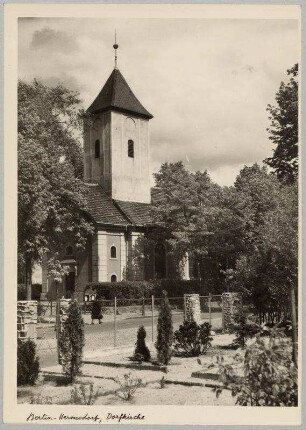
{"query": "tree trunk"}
(28, 276)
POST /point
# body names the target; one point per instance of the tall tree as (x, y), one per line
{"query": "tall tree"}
(51, 192)
(198, 217)
(284, 129)
(267, 266)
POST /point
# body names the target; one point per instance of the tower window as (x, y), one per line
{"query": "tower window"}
(131, 148)
(97, 148)
(113, 252)
(114, 278)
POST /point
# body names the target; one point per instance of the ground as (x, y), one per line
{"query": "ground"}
(181, 387)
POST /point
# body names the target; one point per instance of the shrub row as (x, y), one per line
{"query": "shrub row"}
(139, 289)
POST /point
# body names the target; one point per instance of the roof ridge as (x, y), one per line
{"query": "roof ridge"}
(114, 86)
(121, 210)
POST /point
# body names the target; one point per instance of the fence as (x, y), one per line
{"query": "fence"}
(121, 320)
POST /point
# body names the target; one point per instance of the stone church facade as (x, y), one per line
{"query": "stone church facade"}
(117, 177)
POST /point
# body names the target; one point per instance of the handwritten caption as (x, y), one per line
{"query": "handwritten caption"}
(86, 417)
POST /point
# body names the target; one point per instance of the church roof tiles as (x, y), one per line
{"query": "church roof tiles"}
(106, 211)
(117, 95)
(101, 207)
(137, 213)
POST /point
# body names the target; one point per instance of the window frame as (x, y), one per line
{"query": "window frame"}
(115, 275)
(131, 148)
(111, 257)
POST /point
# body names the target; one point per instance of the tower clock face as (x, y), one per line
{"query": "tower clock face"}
(97, 124)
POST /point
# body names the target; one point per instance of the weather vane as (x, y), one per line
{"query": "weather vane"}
(115, 46)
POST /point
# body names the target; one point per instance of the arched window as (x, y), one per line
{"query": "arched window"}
(113, 252)
(97, 148)
(131, 148)
(114, 278)
(69, 250)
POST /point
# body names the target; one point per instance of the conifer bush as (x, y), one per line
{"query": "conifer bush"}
(72, 341)
(27, 363)
(164, 331)
(142, 352)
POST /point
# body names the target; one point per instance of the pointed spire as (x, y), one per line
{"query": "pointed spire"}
(115, 46)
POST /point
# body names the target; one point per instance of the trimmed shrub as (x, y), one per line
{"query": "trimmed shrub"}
(142, 352)
(192, 338)
(139, 289)
(71, 342)
(164, 331)
(122, 290)
(27, 363)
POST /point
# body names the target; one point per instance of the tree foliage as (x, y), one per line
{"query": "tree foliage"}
(197, 217)
(51, 192)
(284, 129)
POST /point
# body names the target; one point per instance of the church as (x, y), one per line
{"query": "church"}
(119, 195)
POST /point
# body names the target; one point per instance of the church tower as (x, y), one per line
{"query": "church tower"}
(116, 142)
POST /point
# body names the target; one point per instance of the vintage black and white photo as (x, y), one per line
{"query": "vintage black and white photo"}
(157, 258)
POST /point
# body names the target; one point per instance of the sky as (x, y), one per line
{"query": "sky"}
(207, 82)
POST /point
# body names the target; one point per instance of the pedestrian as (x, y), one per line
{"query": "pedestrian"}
(96, 311)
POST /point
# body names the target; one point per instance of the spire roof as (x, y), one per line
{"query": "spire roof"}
(117, 95)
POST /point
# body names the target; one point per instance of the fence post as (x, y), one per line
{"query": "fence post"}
(143, 307)
(152, 318)
(115, 322)
(209, 307)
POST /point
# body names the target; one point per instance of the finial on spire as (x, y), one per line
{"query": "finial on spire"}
(115, 46)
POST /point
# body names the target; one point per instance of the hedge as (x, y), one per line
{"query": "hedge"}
(140, 289)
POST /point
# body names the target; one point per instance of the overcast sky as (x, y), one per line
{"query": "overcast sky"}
(207, 82)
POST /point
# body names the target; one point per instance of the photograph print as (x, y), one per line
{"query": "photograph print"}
(158, 212)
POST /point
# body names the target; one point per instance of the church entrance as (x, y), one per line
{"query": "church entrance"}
(70, 284)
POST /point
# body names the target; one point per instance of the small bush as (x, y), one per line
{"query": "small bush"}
(164, 331)
(192, 338)
(128, 386)
(81, 396)
(243, 330)
(71, 342)
(142, 352)
(270, 375)
(27, 363)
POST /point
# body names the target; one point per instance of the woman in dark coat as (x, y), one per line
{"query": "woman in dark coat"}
(96, 311)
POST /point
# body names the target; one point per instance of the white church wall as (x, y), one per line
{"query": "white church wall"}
(130, 175)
